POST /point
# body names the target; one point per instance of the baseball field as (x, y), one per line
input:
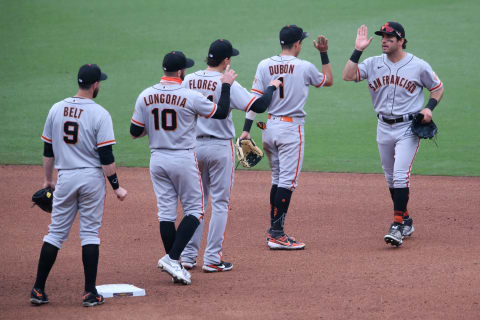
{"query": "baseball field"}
(341, 208)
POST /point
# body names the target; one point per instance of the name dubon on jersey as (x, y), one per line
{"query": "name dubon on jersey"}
(296, 74)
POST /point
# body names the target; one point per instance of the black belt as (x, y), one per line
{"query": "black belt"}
(395, 120)
(209, 137)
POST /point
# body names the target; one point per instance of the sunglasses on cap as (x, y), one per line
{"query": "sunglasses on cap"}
(386, 28)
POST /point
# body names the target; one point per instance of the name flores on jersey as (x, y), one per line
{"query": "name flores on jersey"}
(165, 98)
(203, 84)
(392, 80)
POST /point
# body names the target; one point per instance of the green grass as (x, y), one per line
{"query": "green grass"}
(44, 43)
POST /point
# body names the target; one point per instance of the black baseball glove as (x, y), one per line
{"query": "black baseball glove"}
(44, 199)
(423, 130)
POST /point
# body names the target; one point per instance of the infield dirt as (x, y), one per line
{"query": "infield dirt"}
(345, 272)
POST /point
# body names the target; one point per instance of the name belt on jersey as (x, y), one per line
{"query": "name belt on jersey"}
(165, 98)
(393, 80)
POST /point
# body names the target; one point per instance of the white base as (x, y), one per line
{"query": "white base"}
(120, 290)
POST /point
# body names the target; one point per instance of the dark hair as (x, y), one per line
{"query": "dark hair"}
(84, 86)
(170, 73)
(287, 46)
(404, 45)
(214, 63)
(290, 45)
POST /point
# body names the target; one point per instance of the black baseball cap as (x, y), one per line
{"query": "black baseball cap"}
(176, 60)
(221, 49)
(392, 28)
(90, 73)
(291, 33)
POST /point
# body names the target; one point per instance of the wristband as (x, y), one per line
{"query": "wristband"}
(432, 103)
(248, 125)
(324, 57)
(356, 56)
(114, 181)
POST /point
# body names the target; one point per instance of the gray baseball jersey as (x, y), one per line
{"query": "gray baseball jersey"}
(169, 114)
(397, 91)
(208, 83)
(397, 88)
(216, 159)
(297, 75)
(76, 128)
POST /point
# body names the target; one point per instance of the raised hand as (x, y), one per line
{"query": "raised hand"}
(321, 44)
(229, 76)
(362, 41)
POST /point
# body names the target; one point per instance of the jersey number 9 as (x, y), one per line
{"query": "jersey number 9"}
(70, 128)
(166, 115)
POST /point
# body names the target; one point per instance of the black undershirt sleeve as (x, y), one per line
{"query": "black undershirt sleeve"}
(135, 130)
(48, 150)
(261, 104)
(223, 105)
(106, 155)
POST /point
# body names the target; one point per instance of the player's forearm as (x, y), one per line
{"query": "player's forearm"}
(437, 95)
(223, 106)
(261, 104)
(48, 163)
(249, 117)
(327, 71)
(350, 71)
(109, 169)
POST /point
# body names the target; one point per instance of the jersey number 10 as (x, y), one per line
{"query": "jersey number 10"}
(165, 114)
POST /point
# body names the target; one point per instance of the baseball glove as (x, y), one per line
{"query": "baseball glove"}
(44, 199)
(423, 130)
(248, 153)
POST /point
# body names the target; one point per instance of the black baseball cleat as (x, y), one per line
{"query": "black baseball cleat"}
(38, 297)
(407, 227)
(221, 267)
(91, 299)
(394, 235)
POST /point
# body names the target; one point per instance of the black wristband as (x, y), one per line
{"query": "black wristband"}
(356, 56)
(432, 103)
(324, 57)
(114, 181)
(248, 125)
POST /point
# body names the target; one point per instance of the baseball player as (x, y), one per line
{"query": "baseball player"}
(167, 113)
(215, 152)
(78, 138)
(396, 80)
(283, 138)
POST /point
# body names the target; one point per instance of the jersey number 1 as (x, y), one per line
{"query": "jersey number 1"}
(165, 114)
(281, 91)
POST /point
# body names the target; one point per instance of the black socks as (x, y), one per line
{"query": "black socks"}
(400, 199)
(168, 234)
(90, 253)
(48, 255)
(273, 192)
(185, 232)
(281, 203)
